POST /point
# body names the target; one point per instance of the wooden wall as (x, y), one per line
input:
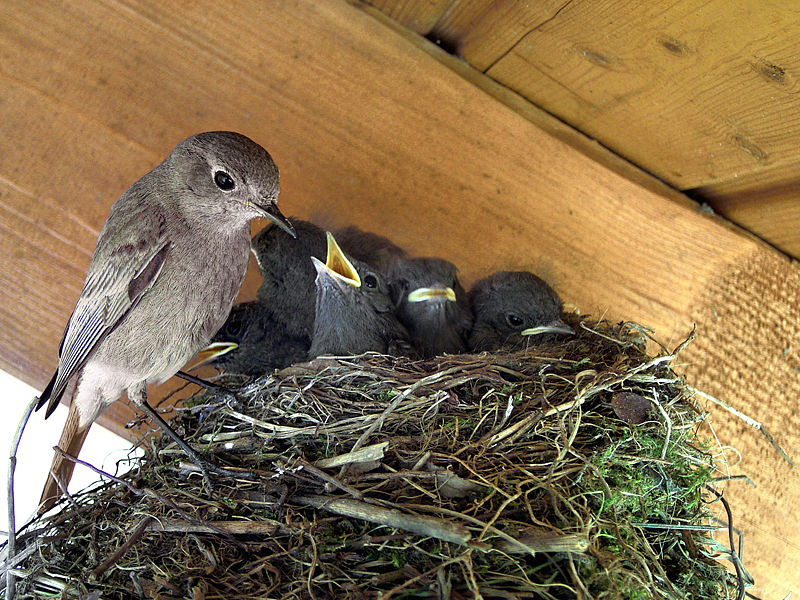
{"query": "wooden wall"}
(702, 95)
(375, 126)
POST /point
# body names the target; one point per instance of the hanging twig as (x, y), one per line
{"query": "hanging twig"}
(12, 525)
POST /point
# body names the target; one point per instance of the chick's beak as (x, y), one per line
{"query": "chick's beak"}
(556, 326)
(432, 293)
(337, 266)
(212, 352)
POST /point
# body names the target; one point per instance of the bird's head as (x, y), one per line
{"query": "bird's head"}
(229, 177)
(515, 305)
(352, 279)
(421, 283)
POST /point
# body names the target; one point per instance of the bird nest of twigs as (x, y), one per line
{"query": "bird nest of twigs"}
(570, 470)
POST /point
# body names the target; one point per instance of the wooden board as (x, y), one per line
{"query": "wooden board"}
(702, 97)
(368, 128)
(418, 15)
(679, 89)
(767, 204)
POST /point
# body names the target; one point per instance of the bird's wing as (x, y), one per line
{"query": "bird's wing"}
(130, 253)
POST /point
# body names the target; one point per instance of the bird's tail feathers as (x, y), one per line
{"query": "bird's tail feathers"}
(52, 394)
(72, 438)
(47, 394)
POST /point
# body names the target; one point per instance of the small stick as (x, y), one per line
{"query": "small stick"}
(371, 453)
(202, 382)
(144, 492)
(668, 421)
(12, 525)
(307, 466)
(434, 527)
(749, 420)
(264, 528)
(737, 563)
(122, 549)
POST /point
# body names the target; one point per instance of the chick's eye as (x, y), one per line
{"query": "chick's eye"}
(224, 181)
(404, 283)
(371, 281)
(514, 320)
(233, 328)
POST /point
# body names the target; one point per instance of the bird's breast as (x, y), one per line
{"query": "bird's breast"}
(187, 304)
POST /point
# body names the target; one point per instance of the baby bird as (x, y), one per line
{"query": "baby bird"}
(432, 304)
(252, 342)
(288, 289)
(354, 312)
(509, 307)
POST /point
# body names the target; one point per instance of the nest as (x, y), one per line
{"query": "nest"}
(571, 470)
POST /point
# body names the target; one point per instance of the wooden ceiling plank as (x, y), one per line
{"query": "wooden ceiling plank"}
(417, 15)
(772, 212)
(368, 129)
(483, 32)
(691, 93)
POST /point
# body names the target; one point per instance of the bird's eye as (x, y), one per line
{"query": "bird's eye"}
(404, 283)
(233, 328)
(224, 181)
(371, 281)
(514, 320)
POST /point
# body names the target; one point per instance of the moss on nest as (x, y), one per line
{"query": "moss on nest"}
(571, 470)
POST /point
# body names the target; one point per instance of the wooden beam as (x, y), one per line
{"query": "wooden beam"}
(368, 128)
(768, 205)
(483, 33)
(692, 93)
(417, 15)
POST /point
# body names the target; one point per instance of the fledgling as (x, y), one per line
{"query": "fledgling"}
(288, 288)
(252, 342)
(510, 306)
(168, 264)
(432, 305)
(354, 312)
(376, 250)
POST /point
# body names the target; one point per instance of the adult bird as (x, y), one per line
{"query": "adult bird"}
(432, 305)
(354, 312)
(511, 306)
(168, 264)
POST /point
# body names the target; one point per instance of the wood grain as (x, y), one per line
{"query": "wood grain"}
(691, 93)
(417, 15)
(483, 32)
(767, 204)
(717, 113)
(367, 128)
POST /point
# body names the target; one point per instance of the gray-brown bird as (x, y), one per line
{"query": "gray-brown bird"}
(168, 264)
(354, 312)
(510, 306)
(252, 342)
(432, 305)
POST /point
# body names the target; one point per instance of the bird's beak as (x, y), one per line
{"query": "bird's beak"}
(271, 212)
(556, 326)
(337, 267)
(212, 352)
(432, 293)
